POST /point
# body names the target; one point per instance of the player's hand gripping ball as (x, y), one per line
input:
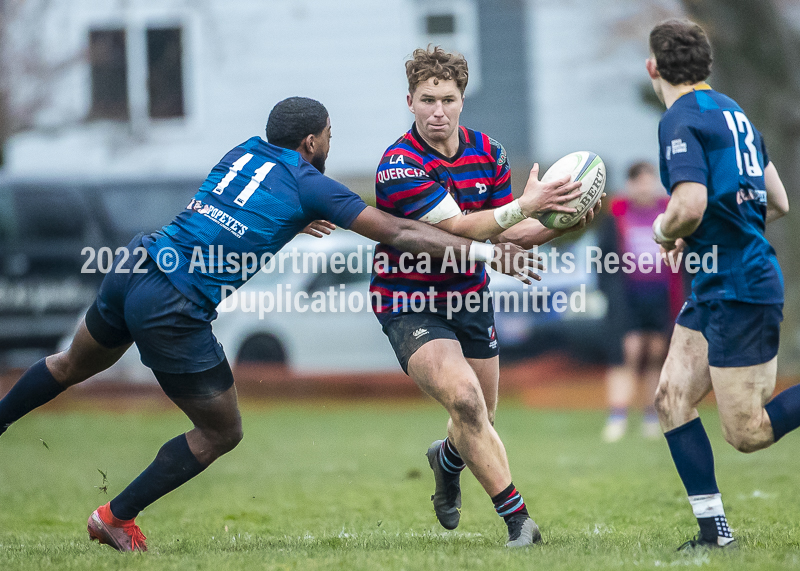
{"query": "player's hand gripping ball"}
(589, 169)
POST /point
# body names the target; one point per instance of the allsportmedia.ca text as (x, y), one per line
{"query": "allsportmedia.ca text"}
(214, 260)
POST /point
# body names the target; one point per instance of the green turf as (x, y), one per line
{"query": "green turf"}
(348, 487)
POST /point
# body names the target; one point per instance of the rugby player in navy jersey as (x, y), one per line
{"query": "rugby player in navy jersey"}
(458, 180)
(259, 196)
(723, 191)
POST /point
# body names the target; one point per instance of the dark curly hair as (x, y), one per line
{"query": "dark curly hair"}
(682, 51)
(293, 119)
(439, 64)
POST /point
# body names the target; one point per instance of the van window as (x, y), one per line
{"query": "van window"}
(133, 208)
(8, 221)
(49, 214)
(327, 278)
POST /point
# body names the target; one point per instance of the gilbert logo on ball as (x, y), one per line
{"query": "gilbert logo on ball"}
(583, 166)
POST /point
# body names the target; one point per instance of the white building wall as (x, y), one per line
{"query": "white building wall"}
(587, 68)
(242, 56)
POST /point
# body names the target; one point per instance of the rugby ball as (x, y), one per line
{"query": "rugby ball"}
(583, 166)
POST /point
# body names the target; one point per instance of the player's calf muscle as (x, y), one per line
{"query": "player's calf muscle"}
(68, 371)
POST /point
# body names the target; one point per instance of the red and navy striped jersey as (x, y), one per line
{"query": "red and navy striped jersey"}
(412, 179)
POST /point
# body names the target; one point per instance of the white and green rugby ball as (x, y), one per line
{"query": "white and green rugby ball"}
(589, 169)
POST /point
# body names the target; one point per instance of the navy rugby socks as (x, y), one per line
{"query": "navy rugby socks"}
(33, 389)
(784, 411)
(694, 459)
(174, 465)
(509, 504)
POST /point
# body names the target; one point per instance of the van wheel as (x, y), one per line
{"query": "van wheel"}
(262, 348)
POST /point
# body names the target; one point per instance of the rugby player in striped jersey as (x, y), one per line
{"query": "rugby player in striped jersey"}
(459, 180)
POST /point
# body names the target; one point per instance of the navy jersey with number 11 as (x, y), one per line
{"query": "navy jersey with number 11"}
(257, 198)
(705, 137)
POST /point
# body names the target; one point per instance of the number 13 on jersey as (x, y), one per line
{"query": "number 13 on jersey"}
(738, 123)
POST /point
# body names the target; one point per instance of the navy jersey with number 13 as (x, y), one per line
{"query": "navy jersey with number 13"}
(705, 137)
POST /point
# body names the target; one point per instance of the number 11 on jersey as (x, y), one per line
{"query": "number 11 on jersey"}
(257, 178)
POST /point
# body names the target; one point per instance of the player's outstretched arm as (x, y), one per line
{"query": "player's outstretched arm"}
(683, 215)
(777, 200)
(530, 233)
(485, 224)
(418, 237)
(405, 234)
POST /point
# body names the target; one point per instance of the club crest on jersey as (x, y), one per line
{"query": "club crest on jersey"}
(198, 207)
(677, 146)
(502, 160)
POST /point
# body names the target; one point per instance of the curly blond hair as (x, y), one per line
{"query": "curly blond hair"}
(439, 64)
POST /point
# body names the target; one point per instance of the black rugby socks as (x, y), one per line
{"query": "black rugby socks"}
(509, 504)
(174, 465)
(449, 458)
(33, 389)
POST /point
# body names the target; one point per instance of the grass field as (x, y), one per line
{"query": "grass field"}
(347, 486)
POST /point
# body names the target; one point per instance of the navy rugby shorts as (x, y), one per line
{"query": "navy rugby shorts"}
(475, 331)
(173, 334)
(647, 309)
(739, 334)
(640, 310)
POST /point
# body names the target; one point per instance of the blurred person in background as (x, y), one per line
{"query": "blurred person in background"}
(452, 177)
(642, 304)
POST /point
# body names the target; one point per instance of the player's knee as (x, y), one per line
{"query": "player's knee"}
(468, 409)
(233, 437)
(662, 401)
(64, 368)
(749, 438)
(746, 443)
(671, 398)
(633, 350)
(226, 439)
(654, 360)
